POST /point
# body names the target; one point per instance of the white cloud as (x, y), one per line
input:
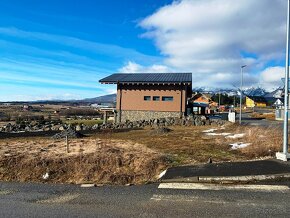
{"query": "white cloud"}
(132, 67)
(214, 38)
(271, 77)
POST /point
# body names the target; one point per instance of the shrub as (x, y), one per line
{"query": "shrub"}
(79, 112)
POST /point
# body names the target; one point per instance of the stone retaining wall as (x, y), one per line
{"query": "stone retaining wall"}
(157, 122)
(145, 115)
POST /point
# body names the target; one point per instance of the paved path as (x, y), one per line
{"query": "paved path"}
(43, 200)
(263, 167)
(248, 120)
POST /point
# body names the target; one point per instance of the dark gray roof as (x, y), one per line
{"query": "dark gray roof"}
(148, 78)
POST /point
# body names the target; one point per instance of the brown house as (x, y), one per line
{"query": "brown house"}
(202, 103)
(150, 95)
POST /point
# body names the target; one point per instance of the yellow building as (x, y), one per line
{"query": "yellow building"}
(255, 102)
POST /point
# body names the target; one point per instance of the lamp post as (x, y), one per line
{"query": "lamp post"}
(285, 155)
(241, 95)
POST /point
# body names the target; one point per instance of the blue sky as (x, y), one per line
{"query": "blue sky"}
(59, 49)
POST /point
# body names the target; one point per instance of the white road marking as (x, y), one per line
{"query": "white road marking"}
(242, 178)
(5, 192)
(197, 186)
(59, 199)
(174, 198)
(202, 200)
(87, 185)
(162, 174)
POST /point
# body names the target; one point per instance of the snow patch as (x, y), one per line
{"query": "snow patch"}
(236, 136)
(209, 130)
(218, 134)
(239, 145)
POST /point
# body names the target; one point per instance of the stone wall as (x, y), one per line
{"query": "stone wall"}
(197, 120)
(145, 115)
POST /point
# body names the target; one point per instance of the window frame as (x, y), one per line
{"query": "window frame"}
(166, 98)
(147, 98)
(156, 98)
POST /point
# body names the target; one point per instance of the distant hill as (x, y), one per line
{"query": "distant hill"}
(101, 99)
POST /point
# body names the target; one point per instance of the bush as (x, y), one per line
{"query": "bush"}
(79, 112)
(4, 117)
(21, 119)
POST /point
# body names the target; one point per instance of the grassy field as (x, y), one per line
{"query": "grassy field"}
(85, 122)
(183, 144)
(135, 156)
(268, 116)
(189, 145)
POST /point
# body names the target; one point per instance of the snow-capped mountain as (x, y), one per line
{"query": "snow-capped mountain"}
(278, 93)
(253, 91)
(212, 90)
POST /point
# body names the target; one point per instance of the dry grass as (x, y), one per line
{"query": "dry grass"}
(189, 145)
(265, 142)
(268, 116)
(185, 145)
(136, 156)
(85, 122)
(89, 160)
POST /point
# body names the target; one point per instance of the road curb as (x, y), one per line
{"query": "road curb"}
(219, 179)
(243, 178)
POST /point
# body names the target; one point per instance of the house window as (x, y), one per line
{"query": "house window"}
(147, 98)
(167, 98)
(156, 98)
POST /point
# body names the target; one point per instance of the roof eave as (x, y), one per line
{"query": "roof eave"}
(147, 83)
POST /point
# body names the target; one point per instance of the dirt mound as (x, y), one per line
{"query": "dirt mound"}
(160, 130)
(70, 133)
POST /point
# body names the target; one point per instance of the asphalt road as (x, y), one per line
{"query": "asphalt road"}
(44, 200)
(248, 120)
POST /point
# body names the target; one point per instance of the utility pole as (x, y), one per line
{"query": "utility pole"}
(234, 101)
(241, 91)
(285, 155)
(219, 98)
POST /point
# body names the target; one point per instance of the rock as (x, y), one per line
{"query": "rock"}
(46, 129)
(78, 128)
(27, 129)
(159, 130)
(70, 133)
(55, 127)
(61, 128)
(198, 122)
(95, 127)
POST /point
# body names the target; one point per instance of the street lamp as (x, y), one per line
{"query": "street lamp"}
(285, 155)
(241, 91)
